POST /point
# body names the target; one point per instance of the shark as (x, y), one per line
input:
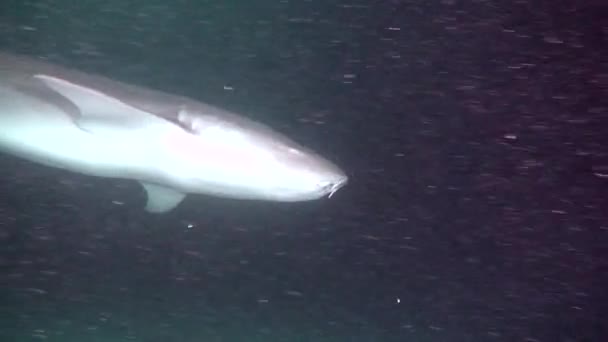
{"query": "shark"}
(172, 145)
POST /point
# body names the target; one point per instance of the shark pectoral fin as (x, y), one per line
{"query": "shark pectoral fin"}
(98, 112)
(161, 199)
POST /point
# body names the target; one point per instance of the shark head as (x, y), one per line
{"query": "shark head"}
(220, 153)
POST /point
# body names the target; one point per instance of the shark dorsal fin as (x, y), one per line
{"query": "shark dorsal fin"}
(98, 113)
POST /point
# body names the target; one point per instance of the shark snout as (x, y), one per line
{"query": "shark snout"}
(332, 181)
(331, 187)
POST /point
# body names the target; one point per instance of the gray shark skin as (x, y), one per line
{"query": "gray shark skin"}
(171, 144)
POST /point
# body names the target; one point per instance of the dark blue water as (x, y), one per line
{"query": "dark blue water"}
(474, 134)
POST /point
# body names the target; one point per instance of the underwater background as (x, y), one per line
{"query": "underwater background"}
(473, 132)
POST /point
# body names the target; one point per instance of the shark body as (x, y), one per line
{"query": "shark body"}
(172, 145)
